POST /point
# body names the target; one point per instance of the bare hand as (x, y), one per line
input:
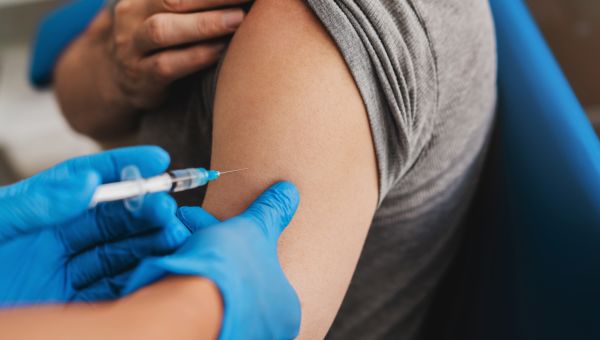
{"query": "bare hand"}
(155, 42)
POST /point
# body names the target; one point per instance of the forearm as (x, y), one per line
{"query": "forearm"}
(86, 92)
(175, 308)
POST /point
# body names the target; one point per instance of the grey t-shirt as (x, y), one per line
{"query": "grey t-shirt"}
(426, 70)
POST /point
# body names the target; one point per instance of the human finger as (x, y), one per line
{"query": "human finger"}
(196, 218)
(274, 209)
(164, 30)
(184, 6)
(49, 198)
(112, 221)
(150, 160)
(174, 64)
(107, 288)
(111, 259)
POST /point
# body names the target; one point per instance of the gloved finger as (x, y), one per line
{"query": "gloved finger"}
(108, 288)
(274, 209)
(150, 160)
(113, 258)
(195, 218)
(44, 200)
(112, 221)
(65, 191)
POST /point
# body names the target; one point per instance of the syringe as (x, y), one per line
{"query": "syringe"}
(172, 181)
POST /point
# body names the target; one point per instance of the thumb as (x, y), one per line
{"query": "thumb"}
(51, 197)
(195, 218)
(274, 209)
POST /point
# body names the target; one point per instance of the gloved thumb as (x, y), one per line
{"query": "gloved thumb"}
(274, 209)
(196, 218)
(51, 197)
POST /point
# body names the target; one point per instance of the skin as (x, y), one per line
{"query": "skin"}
(175, 308)
(304, 121)
(137, 54)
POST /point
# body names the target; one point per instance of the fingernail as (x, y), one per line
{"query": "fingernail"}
(233, 19)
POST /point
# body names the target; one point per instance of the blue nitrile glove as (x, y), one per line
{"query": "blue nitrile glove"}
(54, 249)
(240, 257)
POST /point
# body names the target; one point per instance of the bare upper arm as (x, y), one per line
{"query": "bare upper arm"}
(287, 108)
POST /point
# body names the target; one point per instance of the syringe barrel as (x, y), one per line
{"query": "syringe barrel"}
(129, 189)
(187, 179)
(116, 191)
(173, 181)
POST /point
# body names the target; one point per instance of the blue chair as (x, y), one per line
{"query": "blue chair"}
(57, 31)
(530, 263)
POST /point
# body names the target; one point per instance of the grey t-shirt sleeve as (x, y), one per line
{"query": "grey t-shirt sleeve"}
(391, 58)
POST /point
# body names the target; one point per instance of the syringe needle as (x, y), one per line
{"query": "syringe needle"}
(232, 171)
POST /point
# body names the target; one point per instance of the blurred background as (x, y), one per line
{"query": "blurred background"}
(33, 134)
(572, 28)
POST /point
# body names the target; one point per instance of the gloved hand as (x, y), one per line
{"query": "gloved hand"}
(54, 249)
(240, 257)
